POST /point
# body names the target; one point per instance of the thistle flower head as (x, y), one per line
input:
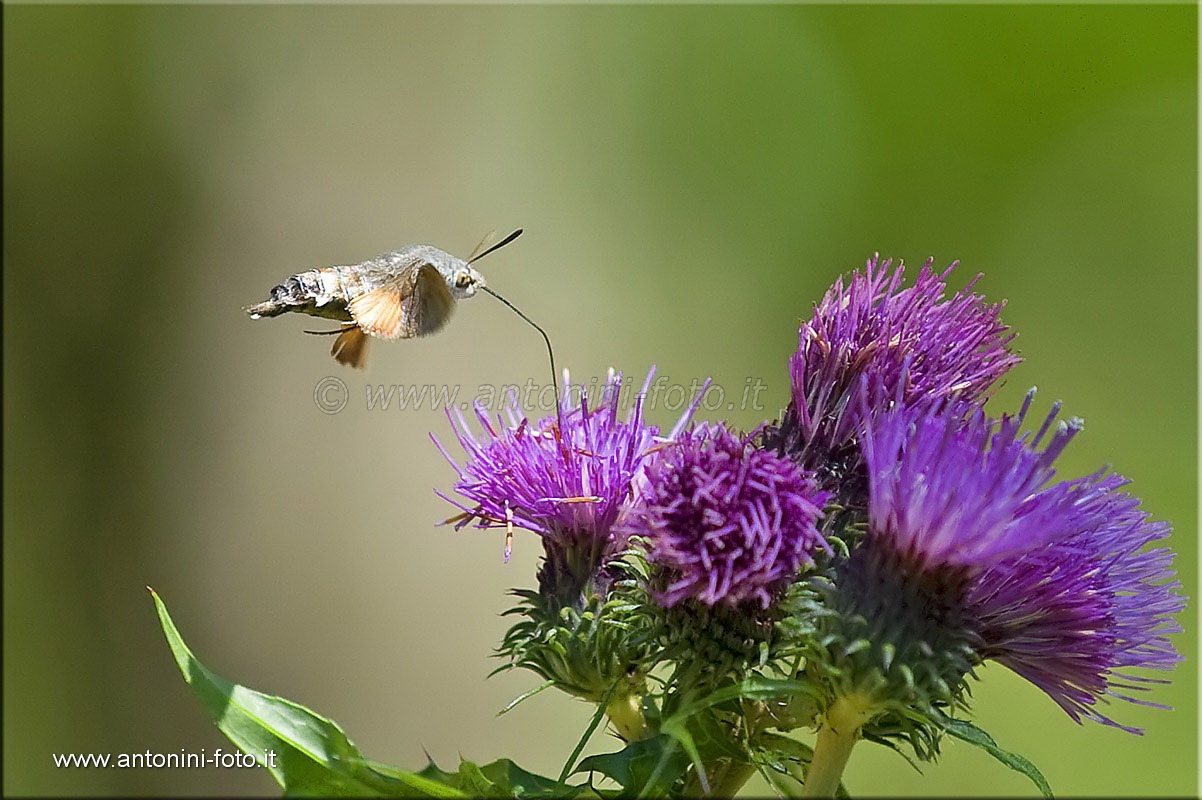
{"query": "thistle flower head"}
(726, 522)
(971, 554)
(960, 491)
(1072, 615)
(567, 477)
(916, 345)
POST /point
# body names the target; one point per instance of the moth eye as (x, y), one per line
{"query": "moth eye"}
(463, 281)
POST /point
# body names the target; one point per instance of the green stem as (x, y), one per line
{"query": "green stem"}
(626, 713)
(840, 729)
(592, 726)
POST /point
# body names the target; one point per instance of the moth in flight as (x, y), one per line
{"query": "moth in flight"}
(397, 295)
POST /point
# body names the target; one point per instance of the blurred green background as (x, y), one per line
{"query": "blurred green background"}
(690, 180)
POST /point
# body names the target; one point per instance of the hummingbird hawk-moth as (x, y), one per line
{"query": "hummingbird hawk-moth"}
(398, 295)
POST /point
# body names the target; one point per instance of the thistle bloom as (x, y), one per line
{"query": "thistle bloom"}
(916, 345)
(960, 491)
(983, 559)
(726, 522)
(1070, 615)
(566, 478)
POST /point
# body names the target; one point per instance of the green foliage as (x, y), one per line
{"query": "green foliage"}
(646, 768)
(694, 751)
(967, 732)
(313, 757)
(503, 779)
(696, 737)
(312, 754)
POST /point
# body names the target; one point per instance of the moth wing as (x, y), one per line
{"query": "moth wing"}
(416, 303)
(432, 303)
(350, 348)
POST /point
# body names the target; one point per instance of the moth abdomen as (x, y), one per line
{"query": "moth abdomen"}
(319, 292)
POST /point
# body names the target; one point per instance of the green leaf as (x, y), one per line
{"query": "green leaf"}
(419, 784)
(771, 751)
(524, 696)
(780, 759)
(518, 782)
(970, 733)
(312, 756)
(677, 727)
(434, 773)
(776, 752)
(752, 688)
(500, 779)
(713, 737)
(473, 781)
(647, 767)
(661, 778)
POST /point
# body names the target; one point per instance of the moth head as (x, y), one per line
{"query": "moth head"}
(465, 281)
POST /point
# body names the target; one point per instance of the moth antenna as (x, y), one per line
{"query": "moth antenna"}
(533, 324)
(496, 246)
(333, 332)
(479, 247)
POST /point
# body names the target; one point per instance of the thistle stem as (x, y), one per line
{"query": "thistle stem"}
(840, 729)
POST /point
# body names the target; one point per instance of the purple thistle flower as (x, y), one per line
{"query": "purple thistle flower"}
(959, 491)
(1050, 580)
(726, 522)
(918, 347)
(1068, 615)
(566, 478)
